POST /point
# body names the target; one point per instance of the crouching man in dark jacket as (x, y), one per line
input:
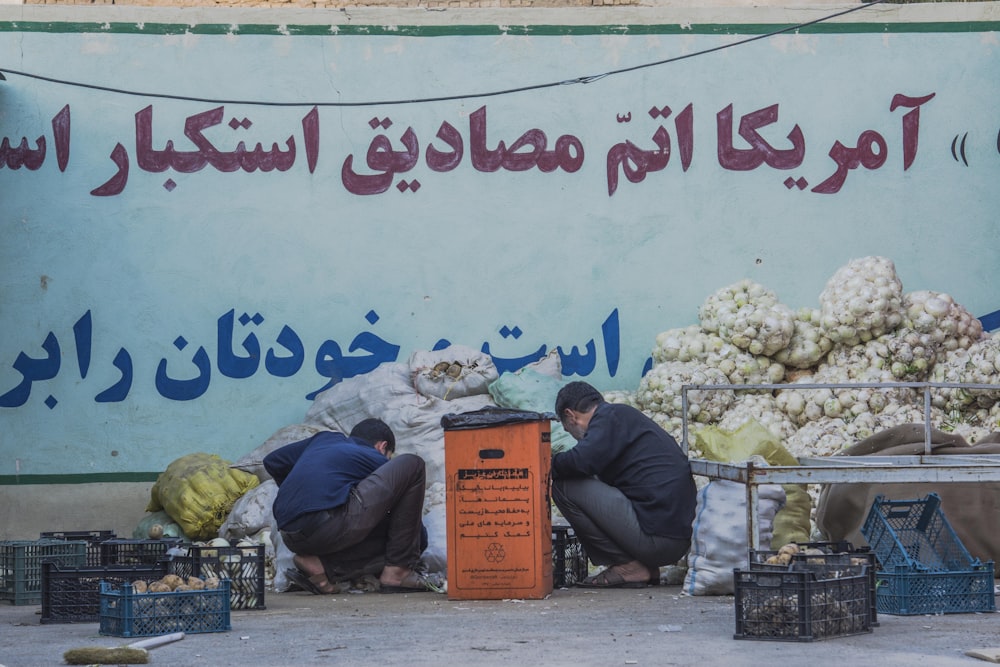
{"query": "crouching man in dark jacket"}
(345, 503)
(625, 488)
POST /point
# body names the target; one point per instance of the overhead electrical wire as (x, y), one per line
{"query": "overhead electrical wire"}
(445, 98)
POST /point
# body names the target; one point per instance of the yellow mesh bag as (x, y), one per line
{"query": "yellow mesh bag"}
(198, 492)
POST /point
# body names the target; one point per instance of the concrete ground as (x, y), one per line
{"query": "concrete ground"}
(651, 626)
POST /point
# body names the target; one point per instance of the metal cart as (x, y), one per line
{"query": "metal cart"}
(846, 469)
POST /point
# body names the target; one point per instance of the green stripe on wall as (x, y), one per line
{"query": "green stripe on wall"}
(88, 478)
(125, 28)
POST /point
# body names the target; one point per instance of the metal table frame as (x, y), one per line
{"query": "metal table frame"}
(846, 469)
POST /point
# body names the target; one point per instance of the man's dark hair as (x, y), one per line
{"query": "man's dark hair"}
(578, 396)
(374, 430)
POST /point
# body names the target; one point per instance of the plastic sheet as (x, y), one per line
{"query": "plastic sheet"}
(492, 416)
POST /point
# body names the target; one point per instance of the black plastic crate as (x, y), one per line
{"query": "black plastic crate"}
(243, 566)
(125, 613)
(136, 552)
(21, 566)
(832, 553)
(569, 560)
(93, 538)
(804, 603)
(73, 594)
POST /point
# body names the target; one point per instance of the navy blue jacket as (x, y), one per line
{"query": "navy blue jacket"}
(318, 473)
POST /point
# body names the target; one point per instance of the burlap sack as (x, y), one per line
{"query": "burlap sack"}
(972, 508)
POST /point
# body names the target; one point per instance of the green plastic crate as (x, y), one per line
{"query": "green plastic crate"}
(21, 566)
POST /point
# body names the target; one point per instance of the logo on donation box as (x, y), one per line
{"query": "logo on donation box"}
(495, 553)
(495, 518)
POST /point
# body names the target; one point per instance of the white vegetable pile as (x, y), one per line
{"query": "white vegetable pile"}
(865, 330)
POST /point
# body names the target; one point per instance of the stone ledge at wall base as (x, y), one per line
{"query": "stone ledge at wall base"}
(29, 509)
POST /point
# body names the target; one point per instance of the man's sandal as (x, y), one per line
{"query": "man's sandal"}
(610, 578)
(317, 584)
(414, 582)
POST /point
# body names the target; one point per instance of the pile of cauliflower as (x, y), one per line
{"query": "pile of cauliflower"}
(866, 330)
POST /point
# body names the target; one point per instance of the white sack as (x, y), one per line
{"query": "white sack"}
(417, 425)
(719, 543)
(253, 462)
(453, 372)
(346, 403)
(435, 556)
(251, 513)
(550, 364)
(282, 559)
(386, 393)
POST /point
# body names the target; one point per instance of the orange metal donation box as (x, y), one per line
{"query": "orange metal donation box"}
(498, 511)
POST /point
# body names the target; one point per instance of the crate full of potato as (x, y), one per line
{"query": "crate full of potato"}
(241, 563)
(802, 602)
(163, 606)
(841, 552)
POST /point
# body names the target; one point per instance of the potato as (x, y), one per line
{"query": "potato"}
(211, 583)
(172, 581)
(158, 587)
(139, 586)
(196, 584)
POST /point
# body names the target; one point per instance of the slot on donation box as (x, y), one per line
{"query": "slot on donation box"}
(497, 469)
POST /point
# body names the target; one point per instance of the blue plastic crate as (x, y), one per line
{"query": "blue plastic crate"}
(125, 613)
(905, 591)
(916, 535)
(21, 566)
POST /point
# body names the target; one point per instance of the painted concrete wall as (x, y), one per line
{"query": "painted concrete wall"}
(185, 192)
